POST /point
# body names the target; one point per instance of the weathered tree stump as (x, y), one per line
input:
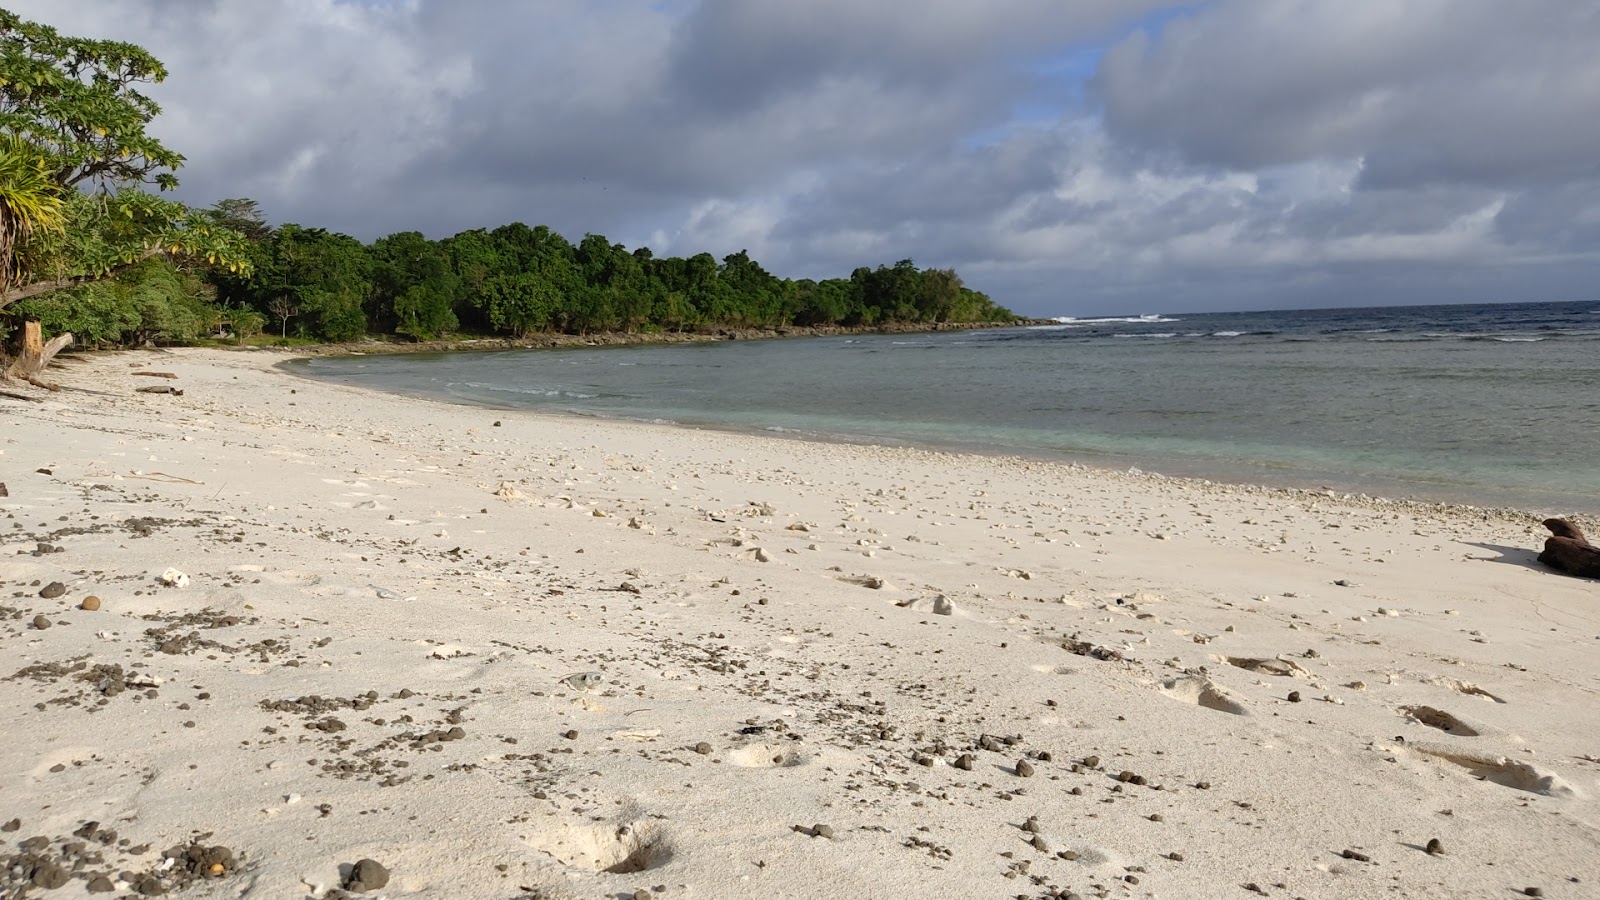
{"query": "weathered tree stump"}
(1567, 550)
(36, 354)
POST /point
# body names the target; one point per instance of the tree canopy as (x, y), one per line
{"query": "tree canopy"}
(519, 280)
(72, 110)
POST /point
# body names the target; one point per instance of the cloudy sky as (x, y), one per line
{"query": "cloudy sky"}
(1069, 157)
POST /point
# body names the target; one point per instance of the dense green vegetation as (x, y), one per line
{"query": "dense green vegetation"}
(74, 162)
(517, 280)
(85, 248)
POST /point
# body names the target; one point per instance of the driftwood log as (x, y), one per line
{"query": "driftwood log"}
(1567, 550)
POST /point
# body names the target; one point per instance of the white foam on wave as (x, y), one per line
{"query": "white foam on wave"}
(1162, 334)
(1073, 320)
(531, 392)
(1226, 333)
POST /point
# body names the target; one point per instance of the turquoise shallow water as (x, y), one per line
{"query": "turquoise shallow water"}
(1488, 405)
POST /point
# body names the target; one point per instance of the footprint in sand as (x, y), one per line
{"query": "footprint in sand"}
(616, 847)
(1499, 769)
(767, 756)
(1264, 666)
(1199, 691)
(1463, 687)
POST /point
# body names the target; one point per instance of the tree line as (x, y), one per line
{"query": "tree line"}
(518, 280)
(86, 248)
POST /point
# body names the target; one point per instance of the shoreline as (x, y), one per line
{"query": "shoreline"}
(546, 341)
(1296, 481)
(819, 669)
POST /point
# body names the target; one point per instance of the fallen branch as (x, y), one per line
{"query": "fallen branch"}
(163, 477)
(161, 389)
(10, 396)
(154, 374)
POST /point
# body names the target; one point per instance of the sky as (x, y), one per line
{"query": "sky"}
(1067, 157)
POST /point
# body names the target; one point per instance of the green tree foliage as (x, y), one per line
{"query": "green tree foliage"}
(30, 205)
(316, 280)
(77, 104)
(152, 302)
(522, 280)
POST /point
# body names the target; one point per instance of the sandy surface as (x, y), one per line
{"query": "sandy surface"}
(985, 677)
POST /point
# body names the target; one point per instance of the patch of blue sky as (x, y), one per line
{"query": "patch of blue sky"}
(1061, 77)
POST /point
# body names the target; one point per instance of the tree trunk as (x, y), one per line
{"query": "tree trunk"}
(37, 354)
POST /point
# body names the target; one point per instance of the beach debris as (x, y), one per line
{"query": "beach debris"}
(938, 604)
(148, 374)
(584, 681)
(1094, 651)
(508, 492)
(161, 389)
(174, 578)
(1568, 551)
(1435, 847)
(52, 590)
(866, 581)
(367, 875)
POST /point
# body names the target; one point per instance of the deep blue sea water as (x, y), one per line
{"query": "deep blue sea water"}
(1483, 404)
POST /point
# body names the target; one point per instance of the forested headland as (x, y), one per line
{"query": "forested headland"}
(91, 246)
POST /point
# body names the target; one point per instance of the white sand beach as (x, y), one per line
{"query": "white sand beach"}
(819, 670)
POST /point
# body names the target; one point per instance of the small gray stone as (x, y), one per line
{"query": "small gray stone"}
(1024, 769)
(40, 622)
(367, 875)
(53, 590)
(822, 831)
(703, 748)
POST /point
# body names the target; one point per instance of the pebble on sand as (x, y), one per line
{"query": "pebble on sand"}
(90, 603)
(1024, 769)
(367, 875)
(1435, 847)
(52, 590)
(40, 622)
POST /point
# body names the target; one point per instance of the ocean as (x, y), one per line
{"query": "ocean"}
(1488, 405)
